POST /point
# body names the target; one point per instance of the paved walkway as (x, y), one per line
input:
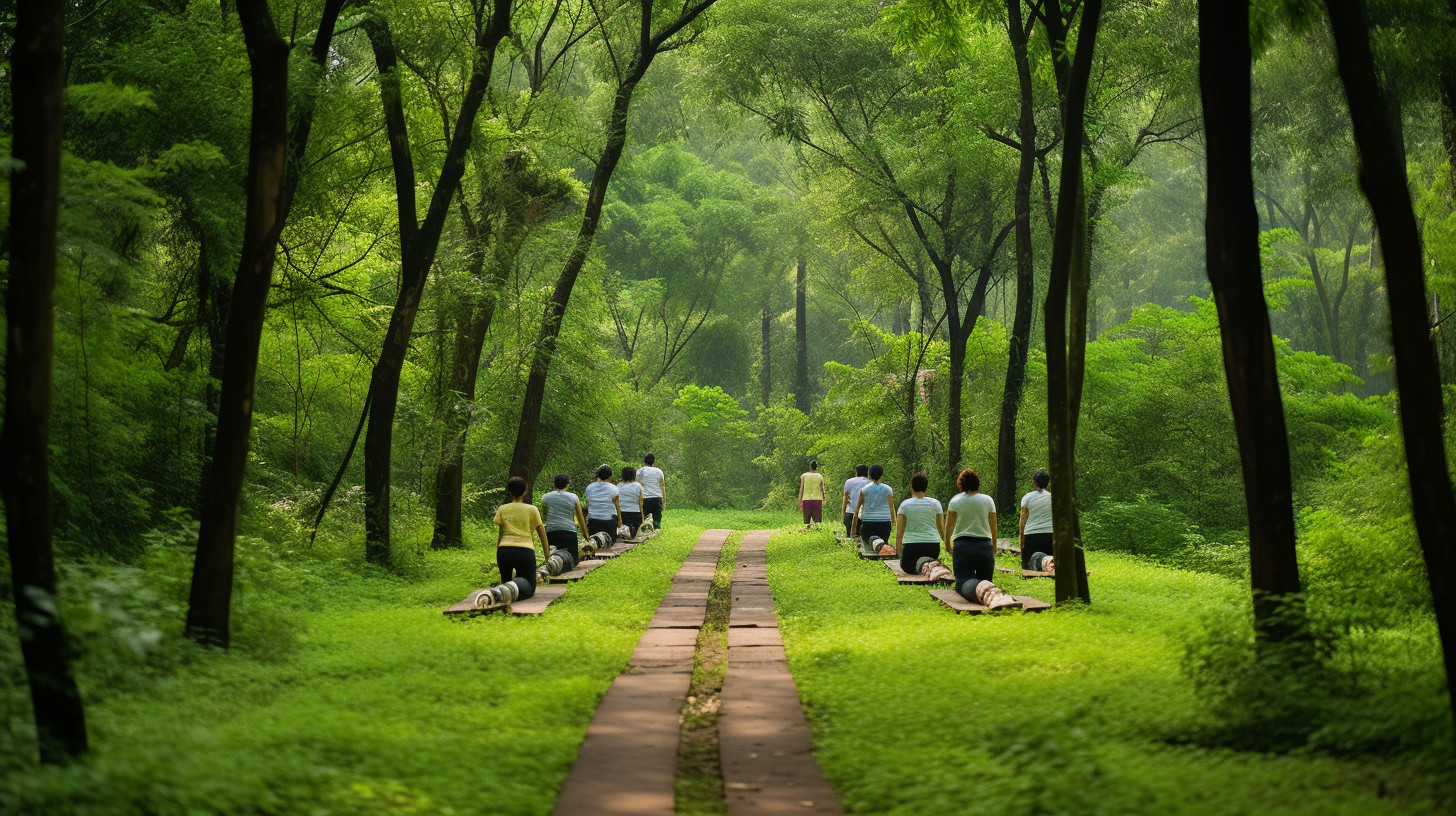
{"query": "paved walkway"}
(628, 761)
(763, 738)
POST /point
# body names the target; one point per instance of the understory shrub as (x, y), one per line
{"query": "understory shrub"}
(1151, 528)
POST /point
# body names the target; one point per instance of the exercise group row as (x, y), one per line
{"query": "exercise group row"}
(921, 524)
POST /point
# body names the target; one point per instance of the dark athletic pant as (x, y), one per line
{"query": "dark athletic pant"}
(608, 526)
(564, 540)
(632, 520)
(916, 551)
(848, 523)
(973, 560)
(870, 529)
(518, 564)
(652, 506)
(1034, 543)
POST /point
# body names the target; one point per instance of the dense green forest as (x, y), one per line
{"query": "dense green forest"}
(308, 280)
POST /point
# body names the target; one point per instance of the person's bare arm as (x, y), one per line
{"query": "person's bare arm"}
(992, 518)
(940, 528)
(899, 531)
(858, 504)
(1021, 525)
(618, 504)
(581, 521)
(950, 520)
(844, 504)
(541, 534)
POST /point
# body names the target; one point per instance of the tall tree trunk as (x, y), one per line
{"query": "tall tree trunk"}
(1231, 229)
(464, 370)
(1066, 256)
(210, 600)
(765, 373)
(1383, 178)
(801, 336)
(1020, 340)
(275, 158)
(419, 240)
(38, 93)
(524, 462)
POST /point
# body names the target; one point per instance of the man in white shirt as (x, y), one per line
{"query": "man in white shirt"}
(654, 494)
(851, 495)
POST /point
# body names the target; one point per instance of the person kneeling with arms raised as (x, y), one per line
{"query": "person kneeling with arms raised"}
(515, 552)
(918, 526)
(971, 526)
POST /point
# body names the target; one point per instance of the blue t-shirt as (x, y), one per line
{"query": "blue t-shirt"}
(877, 498)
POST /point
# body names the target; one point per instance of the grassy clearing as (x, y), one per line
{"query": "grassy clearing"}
(363, 700)
(1080, 711)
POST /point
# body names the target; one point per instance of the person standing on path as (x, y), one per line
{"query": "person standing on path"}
(629, 499)
(851, 497)
(603, 512)
(563, 517)
(918, 526)
(875, 511)
(972, 525)
(515, 552)
(811, 494)
(1035, 528)
(654, 491)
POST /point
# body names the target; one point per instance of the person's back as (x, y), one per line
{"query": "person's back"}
(973, 515)
(599, 495)
(1038, 504)
(877, 498)
(560, 510)
(852, 487)
(921, 513)
(813, 485)
(650, 476)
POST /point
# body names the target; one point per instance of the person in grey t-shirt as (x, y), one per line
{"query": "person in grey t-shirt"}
(562, 511)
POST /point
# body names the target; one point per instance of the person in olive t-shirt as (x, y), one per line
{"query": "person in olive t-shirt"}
(515, 552)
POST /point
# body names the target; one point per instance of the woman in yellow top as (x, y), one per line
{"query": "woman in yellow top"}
(515, 552)
(811, 494)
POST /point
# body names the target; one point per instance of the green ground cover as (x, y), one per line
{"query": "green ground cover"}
(364, 700)
(1079, 711)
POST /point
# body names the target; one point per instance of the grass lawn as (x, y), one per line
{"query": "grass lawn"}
(1077, 711)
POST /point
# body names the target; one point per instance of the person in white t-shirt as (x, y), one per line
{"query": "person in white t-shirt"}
(918, 526)
(654, 489)
(603, 511)
(1035, 529)
(629, 498)
(851, 496)
(971, 521)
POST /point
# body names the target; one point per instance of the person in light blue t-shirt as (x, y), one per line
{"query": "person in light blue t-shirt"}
(874, 513)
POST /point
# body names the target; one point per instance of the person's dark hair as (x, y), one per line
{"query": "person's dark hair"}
(629, 474)
(561, 481)
(1041, 478)
(968, 481)
(649, 459)
(919, 482)
(516, 486)
(861, 470)
(604, 472)
(877, 471)
(813, 464)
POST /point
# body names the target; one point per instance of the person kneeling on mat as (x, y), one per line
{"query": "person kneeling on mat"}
(850, 499)
(971, 522)
(874, 513)
(918, 527)
(515, 552)
(629, 498)
(603, 511)
(563, 517)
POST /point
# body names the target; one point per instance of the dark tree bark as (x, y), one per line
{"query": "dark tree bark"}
(1383, 178)
(1232, 232)
(524, 462)
(209, 603)
(1448, 95)
(419, 241)
(38, 94)
(464, 370)
(1011, 393)
(765, 373)
(801, 336)
(275, 158)
(1067, 261)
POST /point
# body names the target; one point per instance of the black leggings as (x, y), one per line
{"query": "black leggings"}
(848, 523)
(608, 526)
(870, 529)
(973, 560)
(912, 552)
(564, 540)
(518, 564)
(632, 520)
(652, 506)
(1034, 543)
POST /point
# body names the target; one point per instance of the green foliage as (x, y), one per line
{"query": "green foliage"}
(713, 434)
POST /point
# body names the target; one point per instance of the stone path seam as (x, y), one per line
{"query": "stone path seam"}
(628, 761)
(764, 743)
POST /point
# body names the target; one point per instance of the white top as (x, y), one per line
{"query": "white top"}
(1038, 504)
(853, 487)
(629, 495)
(877, 498)
(599, 500)
(920, 517)
(973, 515)
(560, 510)
(651, 478)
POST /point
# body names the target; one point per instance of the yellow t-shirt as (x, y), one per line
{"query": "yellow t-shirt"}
(813, 486)
(518, 520)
